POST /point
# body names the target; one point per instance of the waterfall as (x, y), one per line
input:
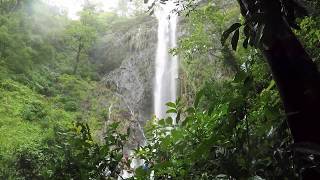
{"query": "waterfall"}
(166, 71)
(166, 66)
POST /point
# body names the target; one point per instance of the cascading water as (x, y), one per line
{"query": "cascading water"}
(166, 70)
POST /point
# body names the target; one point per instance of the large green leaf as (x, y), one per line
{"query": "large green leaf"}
(171, 111)
(171, 104)
(235, 39)
(169, 121)
(227, 33)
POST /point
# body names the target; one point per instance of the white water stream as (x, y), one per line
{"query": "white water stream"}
(166, 66)
(166, 69)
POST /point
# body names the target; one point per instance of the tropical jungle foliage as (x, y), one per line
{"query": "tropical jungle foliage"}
(47, 75)
(229, 123)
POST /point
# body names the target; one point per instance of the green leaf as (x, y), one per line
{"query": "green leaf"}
(162, 165)
(166, 143)
(271, 85)
(198, 97)
(186, 121)
(161, 122)
(240, 77)
(140, 172)
(171, 104)
(172, 111)
(211, 108)
(235, 39)
(176, 135)
(227, 33)
(190, 110)
(202, 148)
(224, 109)
(169, 121)
(248, 82)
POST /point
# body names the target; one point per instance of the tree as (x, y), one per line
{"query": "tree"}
(9, 5)
(79, 38)
(268, 27)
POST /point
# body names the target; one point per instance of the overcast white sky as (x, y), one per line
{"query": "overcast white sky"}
(74, 6)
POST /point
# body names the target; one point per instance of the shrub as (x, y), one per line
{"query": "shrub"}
(73, 154)
(34, 111)
(27, 163)
(9, 85)
(71, 106)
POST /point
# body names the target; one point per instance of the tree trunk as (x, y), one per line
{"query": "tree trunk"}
(298, 81)
(296, 76)
(75, 69)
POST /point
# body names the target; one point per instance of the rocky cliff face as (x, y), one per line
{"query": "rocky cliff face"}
(129, 88)
(127, 55)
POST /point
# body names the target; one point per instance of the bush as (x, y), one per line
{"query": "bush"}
(9, 85)
(71, 106)
(73, 154)
(28, 163)
(218, 135)
(34, 111)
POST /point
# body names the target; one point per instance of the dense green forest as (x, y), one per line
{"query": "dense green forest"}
(235, 117)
